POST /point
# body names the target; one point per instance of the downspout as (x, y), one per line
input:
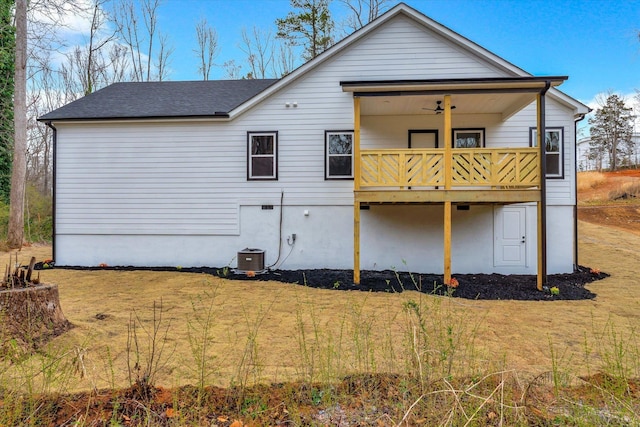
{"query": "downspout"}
(575, 183)
(53, 189)
(543, 181)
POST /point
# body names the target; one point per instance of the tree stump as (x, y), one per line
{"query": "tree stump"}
(30, 316)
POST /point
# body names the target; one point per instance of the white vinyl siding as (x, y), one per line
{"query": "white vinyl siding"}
(173, 185)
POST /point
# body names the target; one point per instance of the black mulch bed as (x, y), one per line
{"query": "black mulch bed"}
(471, 286)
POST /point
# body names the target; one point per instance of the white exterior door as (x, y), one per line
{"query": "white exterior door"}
(510, 238)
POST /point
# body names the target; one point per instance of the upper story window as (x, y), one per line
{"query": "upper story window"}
(262, 155)
(554, 143)
(338, 155)
(468, 138)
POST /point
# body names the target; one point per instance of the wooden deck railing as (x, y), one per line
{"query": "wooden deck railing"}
(482, 167)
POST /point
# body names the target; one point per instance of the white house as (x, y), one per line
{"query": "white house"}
(403, 146)
(587, 162)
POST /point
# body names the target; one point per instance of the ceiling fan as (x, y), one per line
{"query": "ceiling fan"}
(438, 109)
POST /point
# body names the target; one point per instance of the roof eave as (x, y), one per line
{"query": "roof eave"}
(475, 85)
(216, 117)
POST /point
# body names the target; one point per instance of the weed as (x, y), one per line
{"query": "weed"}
(146, 355)
(558, 375)
(619, 351)
(249, 369)
(224, 272)
(440, 340)
(199, 335)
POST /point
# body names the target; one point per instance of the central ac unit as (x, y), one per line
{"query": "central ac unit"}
(251, 260)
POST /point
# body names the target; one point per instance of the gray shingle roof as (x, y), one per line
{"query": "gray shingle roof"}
(135, 100)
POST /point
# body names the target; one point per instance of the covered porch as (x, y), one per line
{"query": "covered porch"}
(449, 171)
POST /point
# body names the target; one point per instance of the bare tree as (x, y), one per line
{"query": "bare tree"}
(88, 67)
(94, 65)
(207, 47)
(362, 12)
(232, 69)
(15, 233)
(284, 60)
(259, 47)
(163, 57)
(137, 27)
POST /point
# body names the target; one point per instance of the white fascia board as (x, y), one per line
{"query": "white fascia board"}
(579, 109)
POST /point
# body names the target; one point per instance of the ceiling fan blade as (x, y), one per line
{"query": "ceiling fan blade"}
(438, 109)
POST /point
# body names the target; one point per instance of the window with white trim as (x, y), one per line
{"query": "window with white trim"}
(262, 156)
(338, 154)
(554, 143)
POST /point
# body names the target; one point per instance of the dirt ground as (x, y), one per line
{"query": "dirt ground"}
(594, 205)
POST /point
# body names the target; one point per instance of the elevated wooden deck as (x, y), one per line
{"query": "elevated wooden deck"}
(448, 176)
(479, 175)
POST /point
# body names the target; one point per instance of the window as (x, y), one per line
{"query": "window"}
(339, 154)
(423, 138)
(468, 138)
(262, 155)
(554, 141)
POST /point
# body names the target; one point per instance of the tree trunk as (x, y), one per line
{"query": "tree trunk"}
(18, 176)
(31, 316)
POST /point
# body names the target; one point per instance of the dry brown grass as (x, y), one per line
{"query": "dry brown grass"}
(628, 190)
(508, 335)
(590, 180)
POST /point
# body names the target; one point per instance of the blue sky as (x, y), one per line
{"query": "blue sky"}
(594, 42)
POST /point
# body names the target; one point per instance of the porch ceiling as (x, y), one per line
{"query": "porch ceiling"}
(505, 96)
(505, 104)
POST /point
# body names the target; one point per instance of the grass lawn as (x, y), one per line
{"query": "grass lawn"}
(211, 331)
(272, 318)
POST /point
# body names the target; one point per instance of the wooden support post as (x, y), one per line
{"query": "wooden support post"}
(539, 281)
(542, 205)
(448, 143)
(447, 242)
(356, 187)
(356, 243)
(356, 144)
(448, 164)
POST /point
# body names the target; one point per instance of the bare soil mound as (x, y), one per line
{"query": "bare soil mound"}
(610, 198)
